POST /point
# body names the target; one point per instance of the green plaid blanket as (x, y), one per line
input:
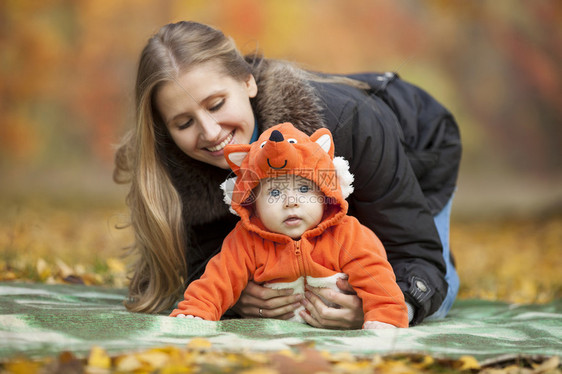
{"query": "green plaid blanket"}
(38, 320)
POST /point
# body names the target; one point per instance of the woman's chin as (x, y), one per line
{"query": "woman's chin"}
(222, 164)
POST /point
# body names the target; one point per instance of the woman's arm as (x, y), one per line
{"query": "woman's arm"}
(388, 198)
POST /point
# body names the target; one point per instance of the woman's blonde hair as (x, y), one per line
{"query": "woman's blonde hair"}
(160, 270)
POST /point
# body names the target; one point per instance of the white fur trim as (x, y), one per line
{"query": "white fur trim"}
(344, 176)
(298, 288)
(297, 285)
(228, 189)
(326, 282)
(411, 311)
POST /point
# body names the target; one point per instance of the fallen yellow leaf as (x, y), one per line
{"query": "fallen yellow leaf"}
(128, 363)
(398, 367)
(376, 361)
(64, 269)
(260, 370)
(8, 276)
(176, 369)
(467, 363)
(22, 367)
(350, 367)
(550, 364)
(99, 358)
(115, 265)
(424, 363)
(154, 359)
(199, 343)
(43, 270)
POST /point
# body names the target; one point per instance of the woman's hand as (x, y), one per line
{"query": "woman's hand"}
(348, 314)
(259, 301)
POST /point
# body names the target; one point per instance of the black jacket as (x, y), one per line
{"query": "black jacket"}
(403, 148)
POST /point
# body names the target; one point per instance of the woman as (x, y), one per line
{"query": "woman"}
(195, 93)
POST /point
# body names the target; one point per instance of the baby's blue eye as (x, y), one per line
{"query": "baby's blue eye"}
(304, 189)
(275, 192)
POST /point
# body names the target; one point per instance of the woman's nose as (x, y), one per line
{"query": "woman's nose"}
(210, 128)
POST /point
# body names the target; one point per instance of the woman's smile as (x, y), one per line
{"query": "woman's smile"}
(219, 147)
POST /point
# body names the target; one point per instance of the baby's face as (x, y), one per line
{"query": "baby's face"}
(289, 205)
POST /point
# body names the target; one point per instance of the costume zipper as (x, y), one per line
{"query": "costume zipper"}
(300, 259)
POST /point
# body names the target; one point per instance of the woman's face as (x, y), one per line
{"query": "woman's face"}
(205, 109)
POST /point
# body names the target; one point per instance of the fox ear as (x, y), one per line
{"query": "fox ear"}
(323, 137)
(235, 154)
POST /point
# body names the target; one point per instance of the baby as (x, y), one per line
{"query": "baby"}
(294, 231)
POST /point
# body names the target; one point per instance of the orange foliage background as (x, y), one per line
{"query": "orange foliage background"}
(67, 70)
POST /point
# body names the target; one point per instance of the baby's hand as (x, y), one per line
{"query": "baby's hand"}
(375, 325)
(188, 316)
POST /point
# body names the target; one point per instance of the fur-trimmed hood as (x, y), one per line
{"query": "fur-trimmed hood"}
(284, 95)
(280, 152)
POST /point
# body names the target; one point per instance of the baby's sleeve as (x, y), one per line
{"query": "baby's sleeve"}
(363, 259)
(223, 281)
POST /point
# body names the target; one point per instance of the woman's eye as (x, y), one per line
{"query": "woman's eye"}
(217, 106)
(292, 141)
(185, 125)
(304, 189)
(275, 193)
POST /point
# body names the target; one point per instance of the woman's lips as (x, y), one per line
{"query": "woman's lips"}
(219, 147)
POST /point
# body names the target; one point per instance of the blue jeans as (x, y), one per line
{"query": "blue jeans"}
(442, 222)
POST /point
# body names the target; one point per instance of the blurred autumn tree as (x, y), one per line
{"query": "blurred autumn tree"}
(507, 61)
(67, 70)
(66, 78)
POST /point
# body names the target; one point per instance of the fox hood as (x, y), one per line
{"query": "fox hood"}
(283, 151)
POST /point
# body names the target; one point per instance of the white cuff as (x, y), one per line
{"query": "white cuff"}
(411, 311)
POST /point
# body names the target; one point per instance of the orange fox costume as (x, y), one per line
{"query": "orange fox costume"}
(339, 244)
